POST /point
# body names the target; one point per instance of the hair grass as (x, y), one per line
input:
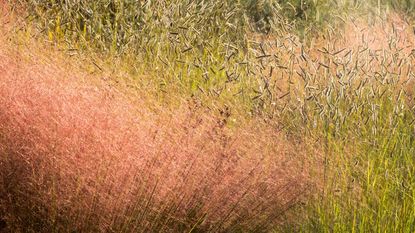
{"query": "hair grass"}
(345, 94)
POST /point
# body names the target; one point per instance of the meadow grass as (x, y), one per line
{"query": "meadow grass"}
(334, 79)
(80, 155)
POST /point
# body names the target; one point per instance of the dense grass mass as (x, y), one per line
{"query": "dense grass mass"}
(78, 156)
(207, 116)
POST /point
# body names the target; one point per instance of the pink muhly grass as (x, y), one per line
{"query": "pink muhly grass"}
(78, 156)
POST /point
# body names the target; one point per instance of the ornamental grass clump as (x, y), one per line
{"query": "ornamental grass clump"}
(79, 155)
